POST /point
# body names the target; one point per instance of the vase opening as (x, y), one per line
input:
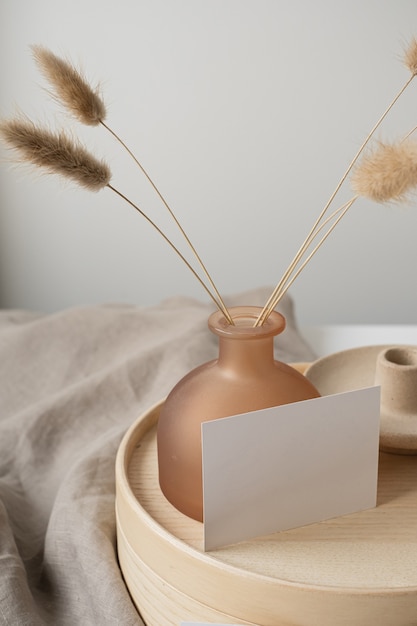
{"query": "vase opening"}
(244, 318)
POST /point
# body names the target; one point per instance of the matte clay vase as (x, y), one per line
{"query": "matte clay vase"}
(396, 372)
(245, 377)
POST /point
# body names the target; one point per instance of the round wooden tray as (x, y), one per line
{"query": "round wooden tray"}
(358, 569)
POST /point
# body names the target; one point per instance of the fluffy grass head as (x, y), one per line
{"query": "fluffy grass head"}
(388, 174)
(55, 153)
(410, 56)
(70, 87)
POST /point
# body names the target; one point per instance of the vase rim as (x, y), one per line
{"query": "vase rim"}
(244, 318)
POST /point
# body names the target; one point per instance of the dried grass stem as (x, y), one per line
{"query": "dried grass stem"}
(170, 243)
(278, 293)
(218, 299)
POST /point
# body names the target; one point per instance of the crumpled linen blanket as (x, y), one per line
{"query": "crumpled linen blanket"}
(71, 383)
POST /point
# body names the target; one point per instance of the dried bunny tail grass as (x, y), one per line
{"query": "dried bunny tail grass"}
(56, 153)
(363, 182)
(70, 87)
(410, 56)
(387, 174)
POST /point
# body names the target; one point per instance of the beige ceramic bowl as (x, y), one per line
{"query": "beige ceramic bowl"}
(394, 368)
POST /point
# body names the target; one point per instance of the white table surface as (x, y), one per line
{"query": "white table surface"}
(331, 338)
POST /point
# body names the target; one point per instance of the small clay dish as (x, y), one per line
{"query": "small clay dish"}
(394, 368)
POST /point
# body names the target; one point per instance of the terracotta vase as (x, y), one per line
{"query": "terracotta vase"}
(245, 377)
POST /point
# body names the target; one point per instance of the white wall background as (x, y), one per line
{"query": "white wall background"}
(246, 113)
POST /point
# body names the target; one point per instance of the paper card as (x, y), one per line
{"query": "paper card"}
(205, 624)
(288, 466)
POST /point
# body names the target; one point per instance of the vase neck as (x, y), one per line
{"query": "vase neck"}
(242, 346)
(246, 355)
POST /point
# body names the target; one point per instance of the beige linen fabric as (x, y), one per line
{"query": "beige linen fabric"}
(71, 383)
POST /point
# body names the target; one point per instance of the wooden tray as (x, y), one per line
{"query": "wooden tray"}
(355, 570)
